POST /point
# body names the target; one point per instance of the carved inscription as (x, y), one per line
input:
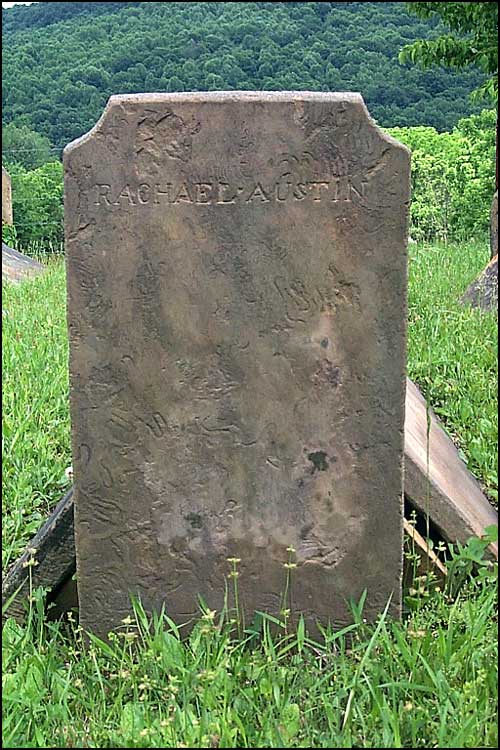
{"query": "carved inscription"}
(163, 134)
(336, 189)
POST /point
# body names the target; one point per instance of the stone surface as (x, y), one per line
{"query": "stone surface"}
(18, 267)
(6, 198)
(237, 314)
(483, 292)
(494, 226)
(63, 592)
(442, 486)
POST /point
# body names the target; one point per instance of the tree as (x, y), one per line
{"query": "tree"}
(37, 201)
(473, 41)
(24, 146)
(58, 60)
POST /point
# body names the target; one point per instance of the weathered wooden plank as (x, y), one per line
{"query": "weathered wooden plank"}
(53, 552)
(445, 489)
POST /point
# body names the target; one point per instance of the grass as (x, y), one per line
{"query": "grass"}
(453, 352)
(429, 681)
(35, 436)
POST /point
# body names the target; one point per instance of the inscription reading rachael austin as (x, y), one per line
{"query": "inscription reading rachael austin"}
(224, 193)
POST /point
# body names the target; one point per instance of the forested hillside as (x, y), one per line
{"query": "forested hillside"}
(61, 61)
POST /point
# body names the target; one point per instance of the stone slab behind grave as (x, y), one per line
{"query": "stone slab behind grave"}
(483, 292)
(494, 226)
(7, 217)
(17, 267)
(448, 492)
(237, 318)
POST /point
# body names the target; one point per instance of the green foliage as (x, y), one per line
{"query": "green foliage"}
(9, 234)
(45, 14)
(474, 40)
(24, 146)
(453, 178)
(469, 559)
(62, 61)
(35, 417)
(37, 203)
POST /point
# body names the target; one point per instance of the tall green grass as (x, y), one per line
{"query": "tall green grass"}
(36, 430)
(429, 681)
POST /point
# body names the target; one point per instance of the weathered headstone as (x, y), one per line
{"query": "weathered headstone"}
(483, 291)
(237, 314)
(6, 198)
(17, 267)
(494, 226)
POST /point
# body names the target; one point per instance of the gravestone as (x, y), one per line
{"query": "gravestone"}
(494, 226)
(483, 291)
(6, 198)
(237, 318)
(17, 267)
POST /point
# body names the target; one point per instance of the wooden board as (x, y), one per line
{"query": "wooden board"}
(445, 488)
(53, 551)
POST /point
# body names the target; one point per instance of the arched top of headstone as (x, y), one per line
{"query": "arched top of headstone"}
(325, 142)
(342, 101)
(327, 112)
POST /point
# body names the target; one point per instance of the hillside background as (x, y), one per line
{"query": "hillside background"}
(62, 60)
